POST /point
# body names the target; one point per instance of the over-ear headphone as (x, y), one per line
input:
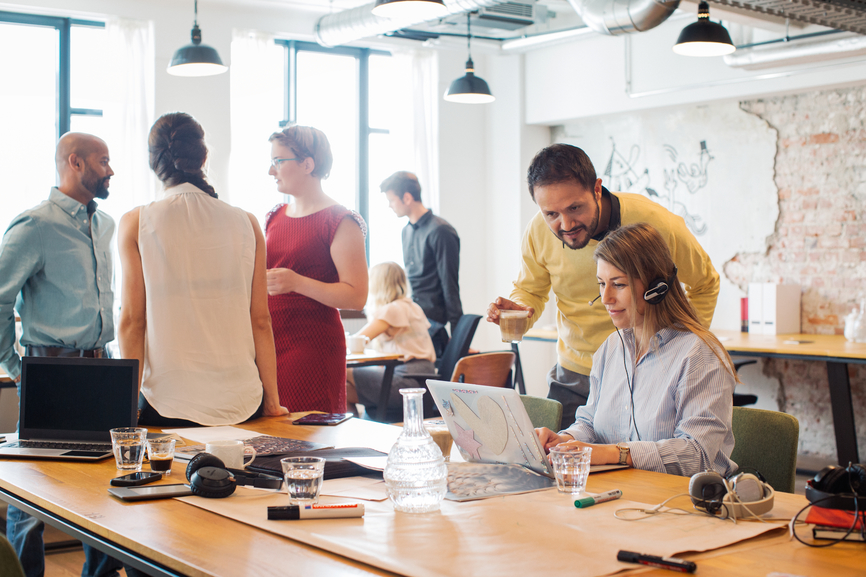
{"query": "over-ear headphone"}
(839, 488)
(741, 496)
(658, 288)
(209, 477)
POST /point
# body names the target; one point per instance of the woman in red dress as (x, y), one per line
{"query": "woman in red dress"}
(316, 265)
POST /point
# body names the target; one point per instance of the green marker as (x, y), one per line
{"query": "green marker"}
(601, 498)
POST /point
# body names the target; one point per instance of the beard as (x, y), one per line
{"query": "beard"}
(581, 241)
(101, 191)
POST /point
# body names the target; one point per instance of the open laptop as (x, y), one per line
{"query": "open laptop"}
(68, 405)
(489, 425)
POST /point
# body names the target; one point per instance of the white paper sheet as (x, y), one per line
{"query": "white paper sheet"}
(365, 488)
(208, 434)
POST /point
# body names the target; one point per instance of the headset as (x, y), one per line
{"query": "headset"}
(839, 488)
(658, 288)
(209, 477)
(742, 496)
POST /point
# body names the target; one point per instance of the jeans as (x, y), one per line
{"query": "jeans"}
(25, 534)
(98, 564)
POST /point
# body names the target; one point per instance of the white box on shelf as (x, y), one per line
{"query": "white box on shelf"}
(780, 309)
(756, 303)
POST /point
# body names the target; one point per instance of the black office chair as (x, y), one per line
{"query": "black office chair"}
(741, 400)
(457, 348)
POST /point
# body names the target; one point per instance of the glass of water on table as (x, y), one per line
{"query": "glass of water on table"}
(303, 477)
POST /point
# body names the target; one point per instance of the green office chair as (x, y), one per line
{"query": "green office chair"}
(10, 566)
(766, 441)
(543, 412)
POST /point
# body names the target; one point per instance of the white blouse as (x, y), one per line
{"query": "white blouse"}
(408, 331)
(198, 255)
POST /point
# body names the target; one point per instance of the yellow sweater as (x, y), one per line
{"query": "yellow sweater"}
(571, 273)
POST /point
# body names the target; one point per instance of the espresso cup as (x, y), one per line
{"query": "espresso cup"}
(357, 343)
(231, 452)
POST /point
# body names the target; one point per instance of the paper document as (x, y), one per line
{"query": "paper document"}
(208, 434)
(366, 488)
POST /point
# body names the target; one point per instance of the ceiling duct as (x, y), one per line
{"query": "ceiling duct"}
(847, 15)
(789, 55)
(350, 25)
(615, 17)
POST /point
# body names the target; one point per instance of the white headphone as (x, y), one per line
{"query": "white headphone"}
(738, 497)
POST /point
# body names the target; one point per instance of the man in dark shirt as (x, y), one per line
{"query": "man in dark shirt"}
(431, 256)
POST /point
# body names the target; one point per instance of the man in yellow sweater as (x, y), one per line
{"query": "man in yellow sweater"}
(575, 212)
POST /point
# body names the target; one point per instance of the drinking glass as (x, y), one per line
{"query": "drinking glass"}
(160, 452)
(128, 444)
(571, 468)
(303, 477)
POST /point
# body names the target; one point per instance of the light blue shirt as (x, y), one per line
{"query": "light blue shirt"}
(55, 269)
(683, 402)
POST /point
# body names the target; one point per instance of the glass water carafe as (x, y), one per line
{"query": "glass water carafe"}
(416, 476)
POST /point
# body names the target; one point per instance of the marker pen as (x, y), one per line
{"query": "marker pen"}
(600, 498)
(671, 563)
(301, 512)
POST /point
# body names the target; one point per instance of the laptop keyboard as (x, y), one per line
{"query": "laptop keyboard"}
(63, 446)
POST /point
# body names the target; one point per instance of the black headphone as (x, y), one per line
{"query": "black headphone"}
(209, 477)
(741, 496)
(839, 488)
(658, 288)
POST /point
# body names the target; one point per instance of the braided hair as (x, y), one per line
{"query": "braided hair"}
(178, 152)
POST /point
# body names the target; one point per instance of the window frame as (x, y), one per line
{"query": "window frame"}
(64, 110)
(290, 110)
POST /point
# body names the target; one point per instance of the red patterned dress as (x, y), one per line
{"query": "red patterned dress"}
(309, 336)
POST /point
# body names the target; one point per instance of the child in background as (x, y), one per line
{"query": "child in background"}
(396, 325)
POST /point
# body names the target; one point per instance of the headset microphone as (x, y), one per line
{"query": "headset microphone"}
(592, 302)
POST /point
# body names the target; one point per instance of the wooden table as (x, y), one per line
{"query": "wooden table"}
(370, 358)
(173, 538)
(834, 350)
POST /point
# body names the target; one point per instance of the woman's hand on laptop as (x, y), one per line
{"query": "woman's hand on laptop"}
(550, 439)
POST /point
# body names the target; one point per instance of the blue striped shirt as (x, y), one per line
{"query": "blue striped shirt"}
(55, 268)
(683, 402)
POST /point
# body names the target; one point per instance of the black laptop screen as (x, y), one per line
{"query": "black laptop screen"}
(77, 399)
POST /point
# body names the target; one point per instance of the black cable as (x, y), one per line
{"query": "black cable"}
(835, 541)
(630, 384)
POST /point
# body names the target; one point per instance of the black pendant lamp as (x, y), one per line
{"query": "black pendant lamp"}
(422, 9)
(704, 38)
(469, 89)
(196, 59)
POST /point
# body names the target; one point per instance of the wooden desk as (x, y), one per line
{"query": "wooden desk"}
(371, 358)
(834, 350)
(173, 538)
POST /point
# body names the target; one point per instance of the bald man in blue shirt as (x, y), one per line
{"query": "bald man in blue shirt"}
(55, 269)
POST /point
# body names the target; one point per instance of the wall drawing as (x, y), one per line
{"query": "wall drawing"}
(713, 165)
(623, 174)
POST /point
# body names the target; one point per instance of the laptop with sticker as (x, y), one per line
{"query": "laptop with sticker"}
(68, 406)
(489, 425)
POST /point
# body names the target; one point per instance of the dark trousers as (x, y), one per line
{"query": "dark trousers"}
(569, 388)
(147, 415)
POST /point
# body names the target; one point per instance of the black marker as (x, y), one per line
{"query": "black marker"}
(671, 563)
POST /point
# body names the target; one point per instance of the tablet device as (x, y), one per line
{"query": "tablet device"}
(153, 492)
(324, 419)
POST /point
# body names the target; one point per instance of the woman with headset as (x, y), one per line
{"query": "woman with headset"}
(661, 386)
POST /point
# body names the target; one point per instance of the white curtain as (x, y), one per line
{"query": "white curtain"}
(129, 113)
(257, 90)
(422, 134)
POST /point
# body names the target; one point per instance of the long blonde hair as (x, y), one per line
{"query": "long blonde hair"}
(387, 284)
(641, 253)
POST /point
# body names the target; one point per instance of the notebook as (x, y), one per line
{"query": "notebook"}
(68, 405)
(489, 425)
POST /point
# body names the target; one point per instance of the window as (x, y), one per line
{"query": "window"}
(359, 98)
(51, 73)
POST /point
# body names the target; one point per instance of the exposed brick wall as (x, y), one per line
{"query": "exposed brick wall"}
(819, 242)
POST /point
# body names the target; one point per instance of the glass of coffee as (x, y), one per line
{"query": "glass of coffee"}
(512, 325)
(160, 452)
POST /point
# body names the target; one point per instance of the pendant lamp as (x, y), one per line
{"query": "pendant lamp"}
(704, 38)
(469, 89)
(421, 9)
(196, 59)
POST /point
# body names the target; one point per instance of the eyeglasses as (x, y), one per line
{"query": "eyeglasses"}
(275, 162)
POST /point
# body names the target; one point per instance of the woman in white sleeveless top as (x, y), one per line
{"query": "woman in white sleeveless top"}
(194, 300)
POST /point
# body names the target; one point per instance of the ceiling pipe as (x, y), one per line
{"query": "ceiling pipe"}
(789, 55)
(616, 17)
(350, 25)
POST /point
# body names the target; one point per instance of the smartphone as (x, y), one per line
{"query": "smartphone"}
(323, 419)
(155, 492)
(135, 479)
